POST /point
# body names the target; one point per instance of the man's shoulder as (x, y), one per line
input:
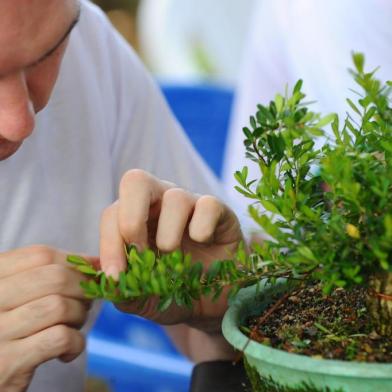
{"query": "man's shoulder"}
(93, 21)
(95, 41)
(92, 13)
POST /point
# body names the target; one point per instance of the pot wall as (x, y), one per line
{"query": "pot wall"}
(292, 370)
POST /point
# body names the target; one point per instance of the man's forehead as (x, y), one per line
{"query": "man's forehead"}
(29, 28)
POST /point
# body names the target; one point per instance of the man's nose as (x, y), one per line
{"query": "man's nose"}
(16, 108)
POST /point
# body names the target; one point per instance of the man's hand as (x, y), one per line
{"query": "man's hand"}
(41, 309)
(155, 213)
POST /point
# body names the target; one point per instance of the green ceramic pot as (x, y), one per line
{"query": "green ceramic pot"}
(272, 370)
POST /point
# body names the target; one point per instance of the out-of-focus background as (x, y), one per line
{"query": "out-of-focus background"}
(184, 40)
(194, 49)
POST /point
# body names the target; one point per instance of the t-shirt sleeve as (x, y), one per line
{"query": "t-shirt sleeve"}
(145, 134)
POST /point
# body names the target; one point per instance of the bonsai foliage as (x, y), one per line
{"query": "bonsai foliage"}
(327, 211)
(173, 277)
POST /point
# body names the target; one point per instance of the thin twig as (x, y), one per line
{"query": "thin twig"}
(262, 320)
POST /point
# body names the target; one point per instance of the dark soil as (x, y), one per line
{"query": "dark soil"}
(336, 326)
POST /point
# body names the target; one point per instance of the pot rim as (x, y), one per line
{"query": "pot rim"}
(281, 358)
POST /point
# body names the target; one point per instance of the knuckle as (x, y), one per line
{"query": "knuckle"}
(60, 338)
(43, 254)
(57, 277)
(130, 229)
(57, 306)
(107, 213)
(177, 196)
(47, 308)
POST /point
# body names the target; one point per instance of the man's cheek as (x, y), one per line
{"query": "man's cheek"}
(42, 78)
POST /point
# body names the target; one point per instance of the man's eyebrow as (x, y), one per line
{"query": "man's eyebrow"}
(63, 38)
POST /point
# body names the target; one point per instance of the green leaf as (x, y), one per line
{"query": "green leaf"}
(247, 133)
(306, 253)
(384, 264)
(264, 222)
(122, 283)
(269, 206)
(156, 289)
(164, 304)
(111, 284)
(279, 102)
(309, 213)
(298, 86)
(315, 131)
(359, 61)
(369, 114)
(213, 270)
(245, 193)
(87, 270)
(132, 282)
(91, 289)
(253, 122)
(77, 260)
(325, 120)
(388, 225)
(353, 106)
(102, 284)
(149, 259)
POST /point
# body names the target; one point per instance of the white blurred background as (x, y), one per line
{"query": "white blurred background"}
(185, 41)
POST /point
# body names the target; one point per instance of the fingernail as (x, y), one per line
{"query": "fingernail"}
(113, 271)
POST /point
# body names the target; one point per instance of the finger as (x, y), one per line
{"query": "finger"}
(176, 209)
(51, 343)
(112, 255)
(208, 213)
(22, 259)
(41, 314)
(139, 191)
(40, 282)
(212, 221)
(15, 261)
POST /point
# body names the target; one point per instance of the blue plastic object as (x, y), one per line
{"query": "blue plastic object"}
(131, 353)
(134, 354)
(204, 113)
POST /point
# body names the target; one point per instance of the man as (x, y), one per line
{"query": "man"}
(77, 112)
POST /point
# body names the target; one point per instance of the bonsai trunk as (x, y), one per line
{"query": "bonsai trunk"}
(380, 302)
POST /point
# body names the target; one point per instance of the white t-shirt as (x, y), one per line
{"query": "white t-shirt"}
(311, 40)
(105, 116)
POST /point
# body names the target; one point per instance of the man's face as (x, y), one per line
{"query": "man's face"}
(33, 38)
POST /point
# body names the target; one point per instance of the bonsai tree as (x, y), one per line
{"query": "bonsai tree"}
(327, 211)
